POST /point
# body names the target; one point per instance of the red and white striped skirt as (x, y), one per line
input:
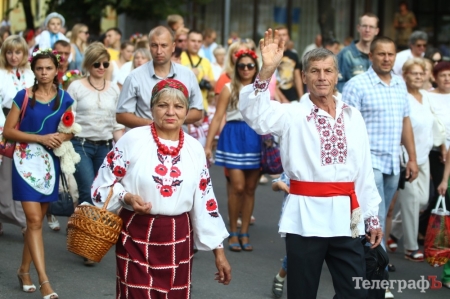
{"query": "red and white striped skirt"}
(154, 256)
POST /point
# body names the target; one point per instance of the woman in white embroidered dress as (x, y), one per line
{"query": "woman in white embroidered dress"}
(160, 177)
(15, 75)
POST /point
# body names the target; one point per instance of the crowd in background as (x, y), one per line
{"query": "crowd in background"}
(102, 76)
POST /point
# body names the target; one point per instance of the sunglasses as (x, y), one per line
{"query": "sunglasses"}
(181, 40)
(249, 66)
(97, 64)
(421, 45)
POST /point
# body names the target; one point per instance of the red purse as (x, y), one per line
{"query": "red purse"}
(7, 147)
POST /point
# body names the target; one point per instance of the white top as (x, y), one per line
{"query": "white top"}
(96, 111)
(217, 70)
(317, 148)
(45, 40)
(124, 71)
(233, 114)
(173, 185)
(400, 59)
(422, 125)
(10, 84)
(440, 106)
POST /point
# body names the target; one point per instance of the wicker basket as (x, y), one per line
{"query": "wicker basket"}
(93, 231)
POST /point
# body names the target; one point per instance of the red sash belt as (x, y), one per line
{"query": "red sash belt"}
(329, 189)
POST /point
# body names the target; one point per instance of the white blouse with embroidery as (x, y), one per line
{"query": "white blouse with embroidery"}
(173, 185)
(10, 84)
(315, 147)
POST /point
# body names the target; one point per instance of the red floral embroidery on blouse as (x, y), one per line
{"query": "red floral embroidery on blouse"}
(166, 190)
(175, 172)
(119, 171)
(211, 205)
(203, 184)
(161, 169)
(333, 141)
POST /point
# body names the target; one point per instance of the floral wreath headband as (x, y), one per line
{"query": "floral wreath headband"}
(250, 53)
(45, 51)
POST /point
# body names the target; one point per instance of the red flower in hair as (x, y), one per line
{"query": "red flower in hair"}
(68, 118)
(247, 53)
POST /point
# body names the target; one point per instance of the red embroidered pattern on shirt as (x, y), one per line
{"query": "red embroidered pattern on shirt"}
(167, 174)
(333, 142)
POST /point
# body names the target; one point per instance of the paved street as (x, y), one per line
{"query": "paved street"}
(253, 272)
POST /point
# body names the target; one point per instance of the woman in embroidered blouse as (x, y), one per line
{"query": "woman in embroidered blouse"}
(239, 150)
(160, 177)
(95, 105)
(78, 42)
(36, 169)
(15, 75)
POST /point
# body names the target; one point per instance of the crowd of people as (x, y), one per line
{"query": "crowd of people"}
(176, 101)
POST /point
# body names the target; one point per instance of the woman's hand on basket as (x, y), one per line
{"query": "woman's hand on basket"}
(50, 141)
(137, 203)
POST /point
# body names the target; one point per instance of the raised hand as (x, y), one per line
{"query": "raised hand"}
(272, 48)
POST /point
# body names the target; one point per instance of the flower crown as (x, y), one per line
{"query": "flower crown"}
(135, 37)
(45, 51)
(73, 74)
(246, 52)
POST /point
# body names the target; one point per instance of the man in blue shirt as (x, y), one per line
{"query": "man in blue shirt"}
(354, 59)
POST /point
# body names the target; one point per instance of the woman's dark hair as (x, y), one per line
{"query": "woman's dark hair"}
(52, 57)
(429, 53)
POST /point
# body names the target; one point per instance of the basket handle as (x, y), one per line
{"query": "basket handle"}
(110, 194)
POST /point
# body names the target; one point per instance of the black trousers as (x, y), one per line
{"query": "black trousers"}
(436, 172)
(344, 257)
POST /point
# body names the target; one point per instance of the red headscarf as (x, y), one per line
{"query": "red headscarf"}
(169, 83)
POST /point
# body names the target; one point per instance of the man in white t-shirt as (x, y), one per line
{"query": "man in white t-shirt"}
(417, 46)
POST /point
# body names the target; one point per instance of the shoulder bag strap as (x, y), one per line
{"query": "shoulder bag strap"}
(190, 61)
(64, 182)
(23, 108)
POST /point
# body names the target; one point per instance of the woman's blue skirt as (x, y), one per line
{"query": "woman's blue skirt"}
(239, 147)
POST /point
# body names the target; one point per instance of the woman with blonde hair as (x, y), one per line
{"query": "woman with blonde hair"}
(95, 105)
(78, 41)
(141, 56)
(125, 56)
(15, 75)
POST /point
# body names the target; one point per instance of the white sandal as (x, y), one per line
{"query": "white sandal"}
(27, 288)
(50, 296)
(53, 223)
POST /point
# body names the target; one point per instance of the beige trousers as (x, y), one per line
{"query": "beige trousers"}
(415, 195)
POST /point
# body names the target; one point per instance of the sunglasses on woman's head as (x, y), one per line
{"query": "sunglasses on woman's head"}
(97, 64)
(249, 66)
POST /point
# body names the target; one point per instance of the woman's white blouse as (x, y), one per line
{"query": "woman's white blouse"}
(440, 105)
(95, 110)
(173, 185)
(422, 125)
(316, 147)
(10, 84)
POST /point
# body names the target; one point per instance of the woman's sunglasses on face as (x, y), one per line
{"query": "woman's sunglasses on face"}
(249, 66)
(97, 64)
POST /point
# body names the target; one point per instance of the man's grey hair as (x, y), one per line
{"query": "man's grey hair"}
(417, 35)
(316, 55)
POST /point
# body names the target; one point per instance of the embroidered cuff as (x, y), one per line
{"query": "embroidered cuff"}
(259, 85)
(372, 223)
(122, 197)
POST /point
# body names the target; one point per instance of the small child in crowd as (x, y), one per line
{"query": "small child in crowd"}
(53, 24)
(280, 184)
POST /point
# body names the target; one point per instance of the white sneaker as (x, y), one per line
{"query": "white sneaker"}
(388, 294)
